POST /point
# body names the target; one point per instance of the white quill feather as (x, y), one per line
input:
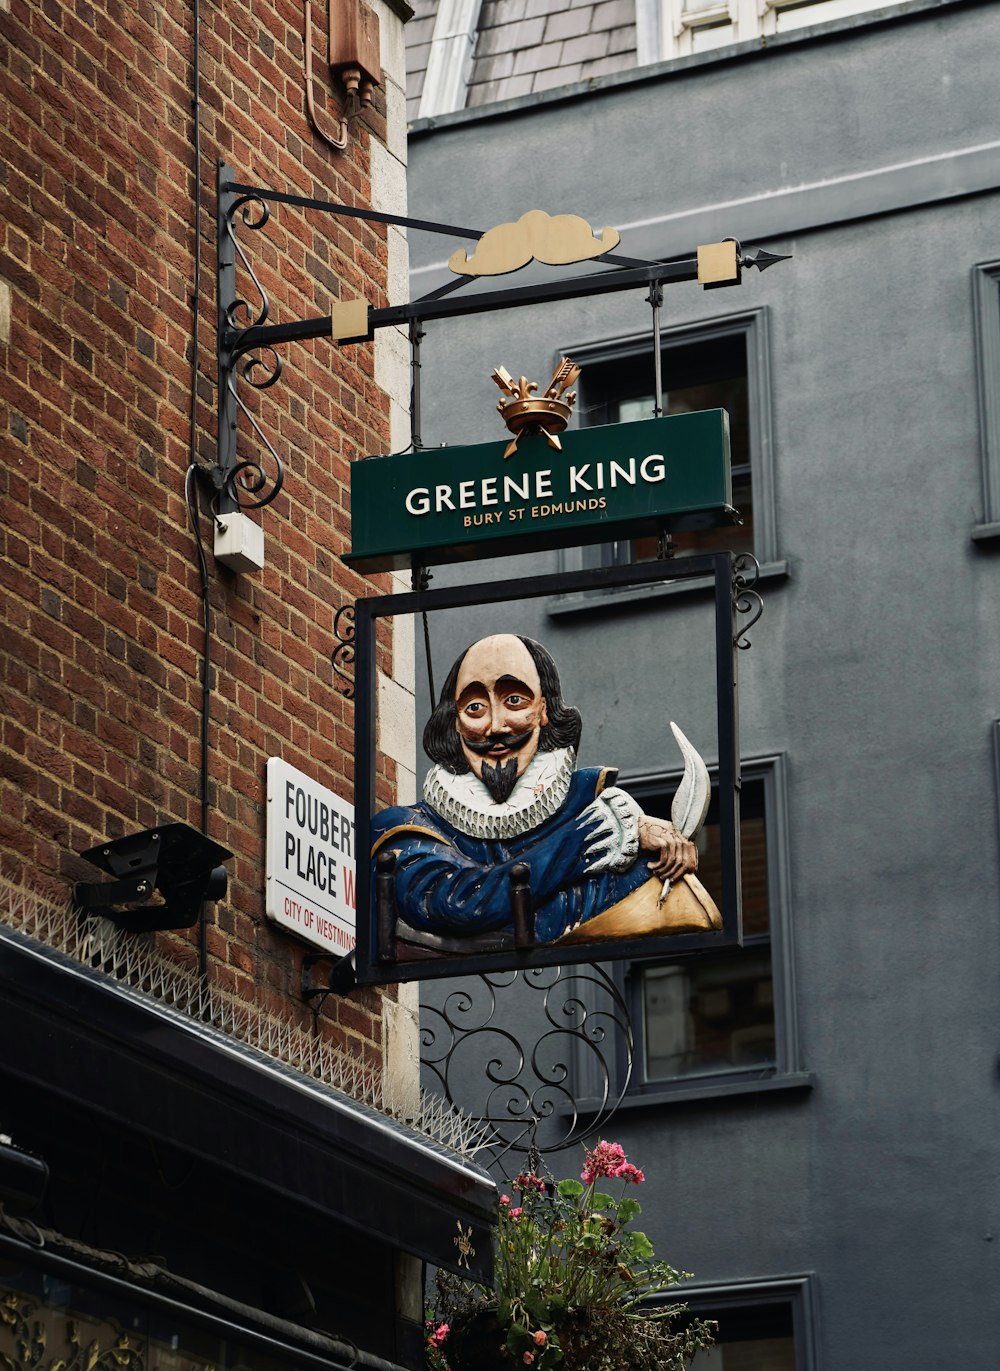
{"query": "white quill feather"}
(690, 804)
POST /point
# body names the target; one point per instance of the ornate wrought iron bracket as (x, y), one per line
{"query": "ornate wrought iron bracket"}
(247, 343)
(549, 1072)
(242, 338)
(746, 600)
(343, 654)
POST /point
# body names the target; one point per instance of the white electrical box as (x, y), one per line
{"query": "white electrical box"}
(239, 542)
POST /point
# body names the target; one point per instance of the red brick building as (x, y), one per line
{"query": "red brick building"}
(141, 687)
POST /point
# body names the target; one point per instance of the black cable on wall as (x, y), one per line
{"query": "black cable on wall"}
(190, 490)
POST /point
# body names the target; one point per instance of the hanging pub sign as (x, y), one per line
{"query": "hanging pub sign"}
(538, 491)
(515, 856)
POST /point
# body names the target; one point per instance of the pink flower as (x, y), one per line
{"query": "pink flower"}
(439, 1334)
(540, 1338)
(628, 1172)
(505, 1199)
(605, 1160)
(516, 1213)
(529, 1180)
(527, 1358)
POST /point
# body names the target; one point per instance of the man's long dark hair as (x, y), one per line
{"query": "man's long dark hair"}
(441, 740)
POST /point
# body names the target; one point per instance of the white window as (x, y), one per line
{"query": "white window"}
(690, 26)
(449, 61)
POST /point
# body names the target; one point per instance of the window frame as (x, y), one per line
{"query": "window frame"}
(754, 326)
(986, 325)
(681, 26)
(797, 1291)
(787, 1072)
(995, 730)
(750, 20)
(450, 58)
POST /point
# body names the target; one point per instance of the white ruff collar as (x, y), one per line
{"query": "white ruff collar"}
(466, 803)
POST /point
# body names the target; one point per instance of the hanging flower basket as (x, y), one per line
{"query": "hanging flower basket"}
(576, 1286)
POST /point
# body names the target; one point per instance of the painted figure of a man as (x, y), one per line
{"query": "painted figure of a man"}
(504, 789)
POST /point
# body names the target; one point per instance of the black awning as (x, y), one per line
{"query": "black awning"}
(84, 1038)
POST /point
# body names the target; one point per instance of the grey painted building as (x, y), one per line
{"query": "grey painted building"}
(819, 1121)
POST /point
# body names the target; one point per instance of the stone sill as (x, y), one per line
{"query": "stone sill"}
(986, 533)
(594, 601)
(709, 1088)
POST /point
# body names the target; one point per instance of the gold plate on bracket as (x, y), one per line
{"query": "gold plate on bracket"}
(718, 262)
(349, 321)
(557, 240)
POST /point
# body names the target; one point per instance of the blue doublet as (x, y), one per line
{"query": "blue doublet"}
(452, 884)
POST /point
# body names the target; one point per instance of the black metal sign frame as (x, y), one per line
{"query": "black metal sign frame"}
(377, 960)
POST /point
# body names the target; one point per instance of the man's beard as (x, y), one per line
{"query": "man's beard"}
(500, 779)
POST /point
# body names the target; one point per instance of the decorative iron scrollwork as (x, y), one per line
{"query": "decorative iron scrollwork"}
(254, 214)
(263, 370)
(247, 479)
(746, 600)
(581, 1050)
(248, 483)
(28, 1326)
(343, 653)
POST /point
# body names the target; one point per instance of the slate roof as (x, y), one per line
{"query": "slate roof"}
(524, 46)
(418, 33)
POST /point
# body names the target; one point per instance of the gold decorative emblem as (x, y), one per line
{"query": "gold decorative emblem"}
(37, 1338)
(555, 239)
(547, 413)
(464, 1244)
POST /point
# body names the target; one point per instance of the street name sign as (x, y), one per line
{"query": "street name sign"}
(310, 861)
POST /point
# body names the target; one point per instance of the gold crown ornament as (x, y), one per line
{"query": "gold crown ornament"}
(548, 413)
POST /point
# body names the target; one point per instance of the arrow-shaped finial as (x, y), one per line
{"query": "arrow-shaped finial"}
(765, 259)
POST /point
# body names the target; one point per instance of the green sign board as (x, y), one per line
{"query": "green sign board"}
(619, 481)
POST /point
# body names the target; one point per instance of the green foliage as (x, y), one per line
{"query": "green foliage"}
(574, 1287)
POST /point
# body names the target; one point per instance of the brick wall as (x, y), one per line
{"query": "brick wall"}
(100, 658)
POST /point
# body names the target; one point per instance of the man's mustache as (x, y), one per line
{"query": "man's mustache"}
(512, 741)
